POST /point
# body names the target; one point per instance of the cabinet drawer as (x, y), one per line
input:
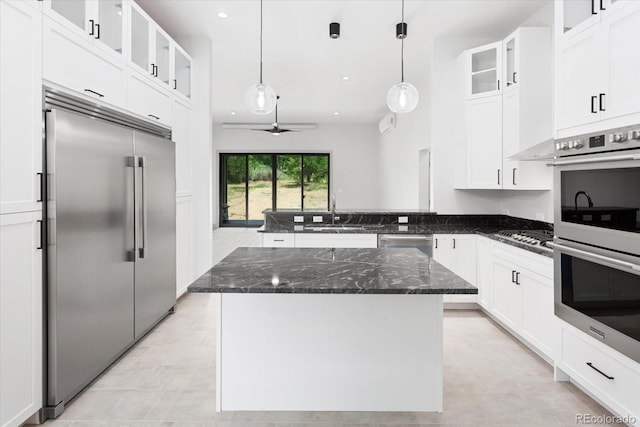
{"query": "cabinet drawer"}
(336, 240)
(277, 240)
(74, 63)
(147, 100)
(584, 359)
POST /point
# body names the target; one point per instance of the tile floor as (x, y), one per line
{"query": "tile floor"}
(168, 379)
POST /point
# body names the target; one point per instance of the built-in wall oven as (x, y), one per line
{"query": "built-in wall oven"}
(597, 229)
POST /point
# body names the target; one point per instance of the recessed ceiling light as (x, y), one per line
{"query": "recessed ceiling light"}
(222, 15)
(345, 78)
(233, 113)
(336, 113)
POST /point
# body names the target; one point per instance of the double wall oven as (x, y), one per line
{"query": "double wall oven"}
(597, 229)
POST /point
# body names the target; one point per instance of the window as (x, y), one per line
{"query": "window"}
(251, 183)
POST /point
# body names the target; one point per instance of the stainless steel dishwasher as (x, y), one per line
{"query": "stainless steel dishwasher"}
(423, 242)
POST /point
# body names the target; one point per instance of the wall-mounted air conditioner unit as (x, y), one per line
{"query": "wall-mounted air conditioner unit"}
(387, 122)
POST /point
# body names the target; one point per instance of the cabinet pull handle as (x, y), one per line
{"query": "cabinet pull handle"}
(97, 31)
(41, 178)
(278, 240)
(175, 84)
(436, 243)
(454, 243)
(498, 176)
(514, 77)
(593, 7)
(593, 104)
(602, 99)
(155, 117)
(517, 277)
(513, 175)
(599, 371)
(153, 69)
(93, 27)
(498, 84)
(601, 6)
(156, 73)
(513, 276)
(94, 92)
(41, 225)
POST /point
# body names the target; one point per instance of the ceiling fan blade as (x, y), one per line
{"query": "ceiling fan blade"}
(289, 130)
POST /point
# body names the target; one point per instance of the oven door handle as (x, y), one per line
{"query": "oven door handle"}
(617, 262)
(597, 160)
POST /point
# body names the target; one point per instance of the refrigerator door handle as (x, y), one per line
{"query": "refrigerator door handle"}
(144, 250)
(132, 255)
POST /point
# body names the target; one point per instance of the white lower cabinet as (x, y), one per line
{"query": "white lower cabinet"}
(74, 63)
(457, 252)
(608, 375)
(522, 296)
(20, 317)
(278, 240)
(484, 271)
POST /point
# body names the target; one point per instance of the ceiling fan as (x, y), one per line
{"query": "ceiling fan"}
(275, 129)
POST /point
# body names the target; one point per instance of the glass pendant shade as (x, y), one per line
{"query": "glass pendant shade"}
(261, 98)
(402, 97)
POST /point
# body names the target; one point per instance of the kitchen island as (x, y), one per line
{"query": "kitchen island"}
(329, 329)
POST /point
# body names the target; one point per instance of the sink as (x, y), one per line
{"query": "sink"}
(336, 227)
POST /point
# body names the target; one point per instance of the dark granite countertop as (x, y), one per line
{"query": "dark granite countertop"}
(330, 271)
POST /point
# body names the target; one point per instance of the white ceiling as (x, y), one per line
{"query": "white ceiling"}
(305, 66)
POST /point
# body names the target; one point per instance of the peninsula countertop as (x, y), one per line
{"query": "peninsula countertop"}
(330, 271)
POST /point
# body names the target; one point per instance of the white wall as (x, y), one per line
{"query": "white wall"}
(200, 50)
(400, 168)
(353, 149)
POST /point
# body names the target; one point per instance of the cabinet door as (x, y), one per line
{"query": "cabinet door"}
(20, 317)
(484, 143)
(20, 107)
(464, 253)
(511, 58)
(484, 276)
(620, 32)
(577, 80)
(442, 250)
(162, 52)
(181, 135)
(140, 39)
(538, 322)
(77, 64)
(73, 14)
(182, 72)
(484, 67)
(148, 100)
(576, 16)
(507, 296)
(109, 24)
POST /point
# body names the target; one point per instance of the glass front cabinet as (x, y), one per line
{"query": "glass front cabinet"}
(484, 68)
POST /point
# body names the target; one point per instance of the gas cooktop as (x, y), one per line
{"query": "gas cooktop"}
(538, 238)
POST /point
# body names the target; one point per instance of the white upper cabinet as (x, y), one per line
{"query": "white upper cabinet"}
(484, 71)
(597, 66)
(20, 107)
(484, 143)
(181, 71)
(511, 57)
(150, 47)
(98, 21)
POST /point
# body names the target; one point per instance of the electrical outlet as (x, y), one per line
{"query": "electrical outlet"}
(298, 227)
(403, 228)
(540, 216)
(403, 220)
(317, 218)
(298, 218)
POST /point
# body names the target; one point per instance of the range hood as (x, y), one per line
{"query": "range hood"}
(541, 151)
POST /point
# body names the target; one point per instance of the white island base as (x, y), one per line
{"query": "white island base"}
(329, 352)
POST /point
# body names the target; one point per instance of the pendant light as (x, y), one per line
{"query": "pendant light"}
(402, 97)
(261, 98)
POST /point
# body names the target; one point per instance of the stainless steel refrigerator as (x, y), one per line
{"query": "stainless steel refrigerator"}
(111, 245)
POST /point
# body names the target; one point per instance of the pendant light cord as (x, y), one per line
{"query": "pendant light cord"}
(402, 49)
(261, 40)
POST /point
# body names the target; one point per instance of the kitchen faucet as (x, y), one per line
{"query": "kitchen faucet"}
(333, 209)
(588, 199)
